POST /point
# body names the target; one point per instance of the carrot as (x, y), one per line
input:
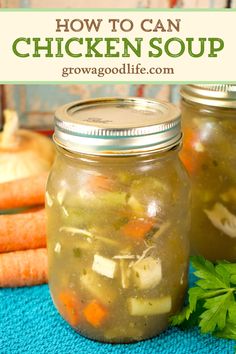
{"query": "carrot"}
(23, 192)
(189, 162)
(23, 268)
(23, 231)
(189, 155)
(69, 307)
(96, 183)
(137, 228)
(95, 313)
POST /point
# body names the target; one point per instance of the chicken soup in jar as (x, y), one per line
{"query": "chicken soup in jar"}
(118, 217)
(209, 154)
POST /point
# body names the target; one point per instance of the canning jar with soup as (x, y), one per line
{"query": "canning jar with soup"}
(209, 154)
(117, 207)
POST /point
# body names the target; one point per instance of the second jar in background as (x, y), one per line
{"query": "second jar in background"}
(209, 154)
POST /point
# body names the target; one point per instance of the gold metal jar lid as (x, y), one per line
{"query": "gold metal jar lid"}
(221, 95)
(114, 126)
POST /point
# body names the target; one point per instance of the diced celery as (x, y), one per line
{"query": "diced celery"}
(111, 199)
(108, 241)
(80, 217)
(149, 307)
(105, 199)
(86, 213)
(125, 177)
(151, 186)
(98, 287)
(136, 206)
(147, 273)
(148, 193)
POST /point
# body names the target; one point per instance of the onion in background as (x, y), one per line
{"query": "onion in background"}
(23, 153)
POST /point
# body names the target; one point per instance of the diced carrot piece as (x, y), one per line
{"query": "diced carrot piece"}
(189, 155)
(69, 307)
(189, 162)
(95, 313)
(137, 228)
(101, 182)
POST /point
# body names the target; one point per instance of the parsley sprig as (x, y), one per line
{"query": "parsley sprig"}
(212, 301)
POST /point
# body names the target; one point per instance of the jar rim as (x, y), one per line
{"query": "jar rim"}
(114, 125)
(220, 95)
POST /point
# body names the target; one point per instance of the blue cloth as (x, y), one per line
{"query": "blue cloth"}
(30, 324)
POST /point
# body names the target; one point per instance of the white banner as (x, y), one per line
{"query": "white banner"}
(156, 46)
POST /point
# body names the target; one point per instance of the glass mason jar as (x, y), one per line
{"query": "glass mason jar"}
(117, 207)
(209, 154)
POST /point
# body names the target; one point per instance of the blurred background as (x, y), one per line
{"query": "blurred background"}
(36, 104)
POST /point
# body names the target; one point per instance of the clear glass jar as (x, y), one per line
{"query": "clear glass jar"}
(117, 222)
(209, 154)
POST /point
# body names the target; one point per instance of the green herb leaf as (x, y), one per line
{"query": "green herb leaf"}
(232, 313)
(215, 316)
(181, 317)
(212, 301)
(233, 279)
(229, 267)
(229, 270)
(195, 294)
(229, 332)
(206, 271)
(222, 271)
(187, 318)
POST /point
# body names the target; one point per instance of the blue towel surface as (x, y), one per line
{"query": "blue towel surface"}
(29, 323)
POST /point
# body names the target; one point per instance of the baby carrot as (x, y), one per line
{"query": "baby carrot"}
(95, 313)
(137, 228)
(23, 231)
(69, 307)
(23, 192)
(23, 268)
